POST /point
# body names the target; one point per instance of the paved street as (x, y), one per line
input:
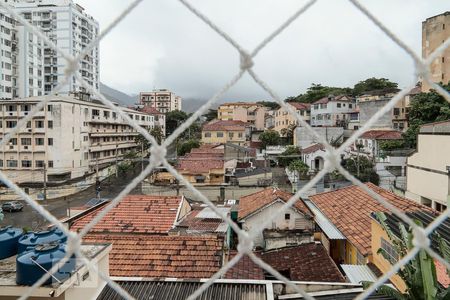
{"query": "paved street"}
(58, 207)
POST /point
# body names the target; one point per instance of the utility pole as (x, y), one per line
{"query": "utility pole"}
(45, 181)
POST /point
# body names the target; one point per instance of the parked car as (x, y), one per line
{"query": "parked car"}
(12, 206)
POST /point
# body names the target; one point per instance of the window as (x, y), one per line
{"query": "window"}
(25, 141)
(13, 141)
(49, 108)
(39, 141)
(338, 105)
(1, 163)
(350, 105)
(29, 124)
(287, 216)
(26, 163)
(396, 111)
(50, 141)
(11, 163)
(50, 163)
(207, 134)
(360, 259)
(390, 251)
(231, 135)
(219, 134)
(11, 124)
(240, 135)
(39, 164)
(50, 124)
(39, 124)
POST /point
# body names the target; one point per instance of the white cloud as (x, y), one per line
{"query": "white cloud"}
(162, 44)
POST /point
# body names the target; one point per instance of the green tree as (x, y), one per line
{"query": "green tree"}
(419, 274)
(291, 154)
(174, 119)
(372, 84)
(270, 104)
(299, 167)
(156, 132)
(187, 146)
(318, 91)
(425, 108)
(288, 133)
(210, 115)
(366, 168)
(269, 138)
(390, 145)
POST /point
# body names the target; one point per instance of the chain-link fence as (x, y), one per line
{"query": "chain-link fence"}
(158, 152)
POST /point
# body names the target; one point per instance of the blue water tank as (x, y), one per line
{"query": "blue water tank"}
(9, 238)
(43, 237)
(33, 264)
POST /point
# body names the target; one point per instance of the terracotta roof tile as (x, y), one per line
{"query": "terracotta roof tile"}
(199, 166)
(326, 99)
(349, 210)
(307, 262)
(300, 106)
(313, 148)
(192, 223)
(382, 135)
(151, 110)
(251, 203)
(135, 214)
(225, 125)
(162, 256)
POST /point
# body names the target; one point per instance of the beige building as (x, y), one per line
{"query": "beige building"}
(435, 31)
(428, 169)
(284, 119)
(222, 132)
(161, 99)
(70, 137)
(251, 113)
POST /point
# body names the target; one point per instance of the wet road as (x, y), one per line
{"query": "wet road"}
(29, 218)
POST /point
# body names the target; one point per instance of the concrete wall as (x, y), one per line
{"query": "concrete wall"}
(303, 138)
(369, 108)
(432, 182)
(276, 243)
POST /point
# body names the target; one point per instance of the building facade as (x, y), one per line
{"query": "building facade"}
(428, 170)
(163, 100)
(70, 138)
(222, 132)
(284, 120)
(332, 111)
(435, 31)
(251, 113)
(37, 69)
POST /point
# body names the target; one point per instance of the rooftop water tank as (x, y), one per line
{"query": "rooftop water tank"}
(43, 237)
(9, 238)
(35, 263)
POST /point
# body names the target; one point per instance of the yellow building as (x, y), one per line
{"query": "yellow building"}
(435, 31)
(283, 119)
(222, 132)
(428, 169)
(252, 113)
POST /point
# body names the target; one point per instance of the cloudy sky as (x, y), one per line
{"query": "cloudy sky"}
(161, 44)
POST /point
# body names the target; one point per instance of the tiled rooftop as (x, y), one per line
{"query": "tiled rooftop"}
(199, 166)
(194, 222)
(251, 203)
(307, 262)
(327, 99)
(135, 214)
(225, 125)
(382, 135)
(349, 210)
(300, 106)
(313, 148)
(162, 256)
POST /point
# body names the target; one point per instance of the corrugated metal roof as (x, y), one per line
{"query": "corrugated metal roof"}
(181, 290)
(208, 213)
(358, 273)
(343, 294)
(330, 230)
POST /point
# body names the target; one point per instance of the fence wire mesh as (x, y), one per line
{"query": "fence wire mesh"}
(158, 152)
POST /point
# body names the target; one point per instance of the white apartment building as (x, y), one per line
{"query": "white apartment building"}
(6, 56)
(162, 99)
(70, 136)
(428, 169)
(332, 111)
(36, 68)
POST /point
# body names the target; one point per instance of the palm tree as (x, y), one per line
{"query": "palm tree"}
(419, 274)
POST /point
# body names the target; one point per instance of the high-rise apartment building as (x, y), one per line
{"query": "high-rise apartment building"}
(162, 99)
(435, 31)
(31, 68)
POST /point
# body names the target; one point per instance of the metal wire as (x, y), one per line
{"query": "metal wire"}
(158, 152)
